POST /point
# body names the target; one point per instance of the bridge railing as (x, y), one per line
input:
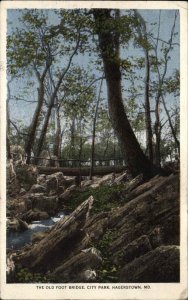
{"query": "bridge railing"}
(54, 162)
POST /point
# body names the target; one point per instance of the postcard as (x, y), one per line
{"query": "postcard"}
(93, 153)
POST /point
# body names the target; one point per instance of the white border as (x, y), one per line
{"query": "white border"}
(158, 290)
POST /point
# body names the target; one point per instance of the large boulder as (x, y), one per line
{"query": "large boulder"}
(16, 224)
(41, 202)
(63, 237)
(159, 265)
(37, 188)
(35, 215)
(80, 268)
(26, 175)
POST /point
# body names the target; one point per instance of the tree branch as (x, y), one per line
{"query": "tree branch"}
(19, 132)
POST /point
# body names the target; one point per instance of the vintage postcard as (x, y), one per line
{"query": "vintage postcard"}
(93, 154)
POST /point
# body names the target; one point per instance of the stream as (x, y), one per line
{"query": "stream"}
(16, 240)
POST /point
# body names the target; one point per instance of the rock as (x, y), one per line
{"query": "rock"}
(80, 268)
(55, 247)
(66, 196)
(37, 188)
(18, 154)
(41, 180)
(22, 225)
(86, 183)
(105, 180)
(41, 202)
(16, 224)
(134, 237)
(159, 265)
(13, 224)
(35, 215)
(144, 187)
(51, 183)
(12, 182)
(22, 192)
(38, 236)
(122, 178)
(26, 175)
(55, 182)
(10, 269)
(135, 182)
(68, 182)
(96, 226)
(133, 250)
(15, 206)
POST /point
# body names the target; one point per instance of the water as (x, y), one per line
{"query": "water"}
(16, 240)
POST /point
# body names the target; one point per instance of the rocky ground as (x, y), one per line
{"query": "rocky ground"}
(118, 229)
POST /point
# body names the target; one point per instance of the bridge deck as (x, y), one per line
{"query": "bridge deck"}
(84, 171)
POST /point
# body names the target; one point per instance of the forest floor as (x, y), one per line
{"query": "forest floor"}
(114, 228)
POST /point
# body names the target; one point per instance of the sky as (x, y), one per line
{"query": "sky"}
(23, 111)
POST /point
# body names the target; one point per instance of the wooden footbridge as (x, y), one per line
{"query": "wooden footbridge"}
(83, 171)
(73, 167)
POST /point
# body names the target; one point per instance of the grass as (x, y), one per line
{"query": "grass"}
(105, 198)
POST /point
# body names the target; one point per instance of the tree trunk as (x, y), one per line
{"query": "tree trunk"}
(58, 136)
(43, 131)
(8, 133)
(109, 46)
(93, 134)
(177, 143)
(35, 121)
(149, 144)
(157, 129)
(72, 139)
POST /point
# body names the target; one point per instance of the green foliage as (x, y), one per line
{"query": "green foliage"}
(24, 275)
(107, 272)
(106, 198)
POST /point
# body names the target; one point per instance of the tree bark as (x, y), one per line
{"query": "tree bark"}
(35, 121)
(149, 144)
(177, 143)
(44, 130)
(157, 129)
(8, 125)
(109, 46)
(94, 133)
(58, 136)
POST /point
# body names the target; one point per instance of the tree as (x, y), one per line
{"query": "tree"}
(144, 43)
(94, 130)
(166, 48)
(109, 45)
(53, 97)
(29, 52)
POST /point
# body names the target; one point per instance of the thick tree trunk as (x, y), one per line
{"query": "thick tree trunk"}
(109, 46)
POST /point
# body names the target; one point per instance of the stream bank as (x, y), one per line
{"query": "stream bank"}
(120, 230)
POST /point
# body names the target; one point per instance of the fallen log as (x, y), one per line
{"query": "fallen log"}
(85, 171)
